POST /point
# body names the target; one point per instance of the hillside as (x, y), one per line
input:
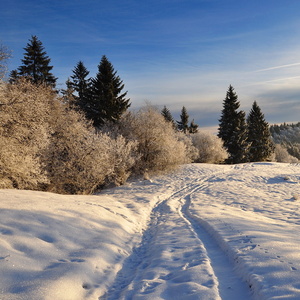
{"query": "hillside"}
(203, 232)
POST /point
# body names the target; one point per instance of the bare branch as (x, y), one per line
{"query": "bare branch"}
(5, 54)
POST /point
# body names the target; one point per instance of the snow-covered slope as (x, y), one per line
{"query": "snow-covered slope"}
(203, 232)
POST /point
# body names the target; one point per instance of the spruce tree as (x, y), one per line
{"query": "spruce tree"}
(82, 86)
(183, 124)
(36, 64)
(258, 135)
(241, 152)
(232, 128)
(107, 102)
(168, 116)
(13, 76)
(68, 94)
(193, 127)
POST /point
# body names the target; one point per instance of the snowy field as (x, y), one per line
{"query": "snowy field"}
(203, 232)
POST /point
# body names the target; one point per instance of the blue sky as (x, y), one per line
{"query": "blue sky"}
(172, 52)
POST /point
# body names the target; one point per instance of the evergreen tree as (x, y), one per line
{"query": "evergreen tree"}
(232, 128)
(240, 136)
(68, 94)
(13, 76)
(168, 116)
(82, 86)
(259, 135)
(193, 127)
(183, 124)
(107, 101)
(36, 64)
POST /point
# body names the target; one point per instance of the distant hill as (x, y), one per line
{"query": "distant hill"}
(288, 135)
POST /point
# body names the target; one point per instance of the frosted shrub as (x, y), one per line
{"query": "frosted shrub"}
(77, 159)
(123, 157)
(282, 155)
(210, 148)
(157, 144)
(192, 152)
(46, 145)
(24, 109)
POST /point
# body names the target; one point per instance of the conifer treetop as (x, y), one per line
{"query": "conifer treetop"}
(259, 136)
(183, 124)
(108, 101)
(233, 129)
(167, 114)
(36, 63)
(81, 84)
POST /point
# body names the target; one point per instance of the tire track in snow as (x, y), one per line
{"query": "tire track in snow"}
(230, 284)
(132, 263)
(177, 259)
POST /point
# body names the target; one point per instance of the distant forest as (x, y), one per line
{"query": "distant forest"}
(287, 135)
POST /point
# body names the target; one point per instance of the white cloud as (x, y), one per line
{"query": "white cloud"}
(279, 67)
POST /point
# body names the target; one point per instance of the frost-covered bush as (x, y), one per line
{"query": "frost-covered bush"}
(5, 54)
(122, 156)
(282, 155)
(210, 148)
(24, 109)
(192, 152)
(77, 159)
(158, 146)
(48, 146)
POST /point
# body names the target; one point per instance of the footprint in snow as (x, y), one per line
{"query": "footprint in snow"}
(4, 257)
(78, 260)
(6, 231)
(47, 238)
(149, 286)
(60, 262)
(87, 286)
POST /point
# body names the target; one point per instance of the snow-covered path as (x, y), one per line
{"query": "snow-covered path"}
(203, 232)
(177, 258)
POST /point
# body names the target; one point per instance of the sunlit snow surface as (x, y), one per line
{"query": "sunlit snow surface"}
(203, 232)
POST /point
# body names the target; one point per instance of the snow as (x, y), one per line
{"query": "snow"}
(202, 232)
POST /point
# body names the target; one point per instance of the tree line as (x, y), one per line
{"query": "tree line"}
(86, 137)
(100, 99)
(245, 139)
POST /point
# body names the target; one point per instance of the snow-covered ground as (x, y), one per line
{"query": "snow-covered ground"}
(203, 232)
